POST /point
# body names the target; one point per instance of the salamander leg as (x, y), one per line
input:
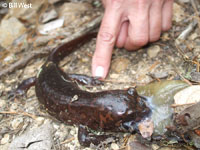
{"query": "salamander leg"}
(22, 88)
(86, 138)
(85, 80)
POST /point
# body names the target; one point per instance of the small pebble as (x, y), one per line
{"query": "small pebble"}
(5, 139)
(17, 122)
(120, 64)
(40, 120)
(2, 103)
(160, 75)
(114, 75)
(13, 107)
(56, 126)
(154, 147)
(114, 146)
(153, 51)
(72, 132)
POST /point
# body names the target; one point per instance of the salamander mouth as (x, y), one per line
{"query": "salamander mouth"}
(131, 126)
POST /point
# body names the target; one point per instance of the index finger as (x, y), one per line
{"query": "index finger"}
(106, 38)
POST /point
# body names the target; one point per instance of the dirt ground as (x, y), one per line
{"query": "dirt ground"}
(175, 56)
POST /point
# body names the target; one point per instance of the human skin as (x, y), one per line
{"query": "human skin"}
(129, 24)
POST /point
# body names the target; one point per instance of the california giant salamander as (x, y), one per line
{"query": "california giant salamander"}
(112, 110)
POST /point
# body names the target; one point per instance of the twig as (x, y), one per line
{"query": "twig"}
(18, 113)
(186, 32)
(183, 78)
(187, 59)
(68, 140)
(149, 70)
(177, 105)
(24, 61)
(176, 70)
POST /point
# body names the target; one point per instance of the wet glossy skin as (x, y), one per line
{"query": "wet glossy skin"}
(114, 110)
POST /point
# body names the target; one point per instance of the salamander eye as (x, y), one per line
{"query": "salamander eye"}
(126, 126)
(129, 126)
(132, 92)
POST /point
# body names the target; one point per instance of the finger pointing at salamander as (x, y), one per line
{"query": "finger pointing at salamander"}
(106, 39)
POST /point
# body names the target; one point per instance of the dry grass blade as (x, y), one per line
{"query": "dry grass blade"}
(18, 113)
(68, 140)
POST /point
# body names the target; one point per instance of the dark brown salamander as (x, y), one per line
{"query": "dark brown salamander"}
(113, 110)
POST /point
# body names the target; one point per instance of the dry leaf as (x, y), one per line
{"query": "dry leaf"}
(146, 128)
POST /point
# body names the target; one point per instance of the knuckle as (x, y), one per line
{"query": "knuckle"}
(140, 41)
(107, 37)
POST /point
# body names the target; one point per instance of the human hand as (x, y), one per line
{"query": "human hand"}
(130, 24)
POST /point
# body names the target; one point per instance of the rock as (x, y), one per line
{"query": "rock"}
(43, 40)
(5, 139)
(114, 75)
(133, 144)
(53, 1)
(48, 16)
(189, 95)
(120, 64)
(10, 29)
(72, 11)
(187, 123)
(195, 139)
(2, 104)
(195, 76)
(56, 126)
(160, 95)
(48, 27)
(153, 51)
(114, 146)
(40, 120)
(4, 147)
(34, 139)
(155, 147)
(9, 59)
(17, 122)
(27, 14)
(178, 13)
(160, 75)
(13, 106)
(183, 1)
(193, 36)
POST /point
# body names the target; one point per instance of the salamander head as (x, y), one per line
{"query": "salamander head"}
(136, 111)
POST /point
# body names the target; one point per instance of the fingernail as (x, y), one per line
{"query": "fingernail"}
(99, 71)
